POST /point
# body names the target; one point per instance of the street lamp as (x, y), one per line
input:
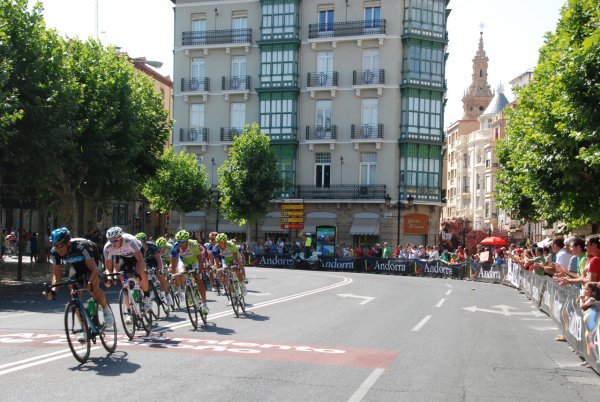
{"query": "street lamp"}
(400, 206)
(215, 197)
(341, 169)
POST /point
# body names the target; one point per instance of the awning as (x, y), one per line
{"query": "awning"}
(310, 224)
(226, 227)
(272, 225)
(369, 226)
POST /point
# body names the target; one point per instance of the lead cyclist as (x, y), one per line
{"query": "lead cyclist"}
(226, 254)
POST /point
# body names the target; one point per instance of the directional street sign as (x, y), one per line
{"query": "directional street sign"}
(505, 310)
(366, 299)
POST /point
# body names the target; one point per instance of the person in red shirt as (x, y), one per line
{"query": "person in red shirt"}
(358, 252)
(592, 269)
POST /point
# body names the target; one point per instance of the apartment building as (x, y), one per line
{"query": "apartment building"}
(351, 94)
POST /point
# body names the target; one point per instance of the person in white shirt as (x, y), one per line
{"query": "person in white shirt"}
(563, 258)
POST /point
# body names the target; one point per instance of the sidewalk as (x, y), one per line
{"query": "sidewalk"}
(34, 276)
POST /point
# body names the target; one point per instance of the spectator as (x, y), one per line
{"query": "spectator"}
(33, 247)
(358, 252)
(589, 296)
(435, 254)
(345, 250)
(386, 250)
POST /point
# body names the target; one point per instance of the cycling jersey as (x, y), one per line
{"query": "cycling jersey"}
(150, 254)
(187, 256)
(129, 247)
(79, 251)
(227, 254)
(165, 253)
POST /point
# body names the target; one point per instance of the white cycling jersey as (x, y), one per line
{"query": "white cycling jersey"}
(128, 248)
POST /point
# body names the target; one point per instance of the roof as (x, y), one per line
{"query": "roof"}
(497, 103)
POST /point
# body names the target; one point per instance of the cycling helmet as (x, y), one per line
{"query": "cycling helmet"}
(141, 236)
(161, 242)
(221, 237)
(182, 235)
(114, 232)
(60, 234)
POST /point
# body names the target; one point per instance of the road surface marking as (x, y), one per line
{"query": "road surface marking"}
(440, 303)
(448, 292)
(15, 315)
(366, 299)
(366, 385)
(36, 363)
(421, 324)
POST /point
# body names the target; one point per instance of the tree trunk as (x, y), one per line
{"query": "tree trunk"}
(40, 226)
(181, 220)
(68, 209)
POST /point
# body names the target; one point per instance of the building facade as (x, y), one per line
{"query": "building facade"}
(351, 94)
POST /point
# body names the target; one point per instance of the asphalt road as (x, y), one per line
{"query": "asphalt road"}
(309, 336)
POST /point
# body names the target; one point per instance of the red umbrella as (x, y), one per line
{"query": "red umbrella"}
(494, 241)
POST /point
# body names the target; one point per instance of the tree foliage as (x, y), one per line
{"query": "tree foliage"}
(248, 179)
(550, 157)
(178, 185)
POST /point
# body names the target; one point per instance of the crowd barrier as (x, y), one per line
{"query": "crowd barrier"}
(580, 328)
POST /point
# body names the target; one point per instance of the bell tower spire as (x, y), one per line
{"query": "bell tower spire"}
(478, 95)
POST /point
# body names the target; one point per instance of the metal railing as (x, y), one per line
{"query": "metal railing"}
(236, 83)
(368, 77)
(321, 132)
(342, 191)
(366, 131)
(349, 28)
(229, 133)
(195, 84)
(322, 79)
(216, 37)
(199, 134)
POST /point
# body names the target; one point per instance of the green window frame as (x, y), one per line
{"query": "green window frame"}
(280, 20)
(279, 66)
(422, 112)
(286, 168)
(278, 114)
(426, 15)
(421, 170)
(423, 62)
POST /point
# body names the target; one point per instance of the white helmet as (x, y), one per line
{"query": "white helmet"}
(114, 232)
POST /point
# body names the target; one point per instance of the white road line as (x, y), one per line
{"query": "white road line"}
(3, 366)
(36, 363)
(450, 286)
(366, 385)
(440, 303)
(421, 324)
(545, 328)
(15, 315)
(448, 292)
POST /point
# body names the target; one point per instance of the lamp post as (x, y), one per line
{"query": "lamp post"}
(400, 206)
(214, 199)
(341, 169)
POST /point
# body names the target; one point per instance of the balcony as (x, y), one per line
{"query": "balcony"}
(236, 85)
(368, 79)
(423, 79)
(229, 133)
(342, 192)
(217, 39)
(195, 86)
(194, 136)
(321, 135)
(371, 133)
(346, 31)
(323, 81)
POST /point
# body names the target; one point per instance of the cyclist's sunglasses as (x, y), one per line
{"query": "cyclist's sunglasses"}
(181, 241)
(115, 240)
(59, 245)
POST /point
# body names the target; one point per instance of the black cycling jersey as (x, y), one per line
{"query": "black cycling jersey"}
(79, 250)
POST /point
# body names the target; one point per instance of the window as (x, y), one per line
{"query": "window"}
(423, 62)
(238, 116)
(198, 73)
(199, 22)
(120, 214)
(422, 114)
(279, 20)
(196, 116)
(278, 66)
(466, 184)
(488, 158)
(239, 22)
(466, 160)
(369, 111)
(372, 18)
(277, 115)
(426, 15)
(238, 72)
(478, 182)
(368, 168)
(420, 167)
(326, 21)
(371, 59)
(486, 213)
(323, 119)
(488, 183)
(322, 169)
(325, 68)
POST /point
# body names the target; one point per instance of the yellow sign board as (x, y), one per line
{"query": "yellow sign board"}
(291, 206)
(292, 220)
(293, 212)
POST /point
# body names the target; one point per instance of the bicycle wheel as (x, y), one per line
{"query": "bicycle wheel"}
(156, 301)
(198, 298)
(75, 327)
(174, 296)
(233, 298)
(126, 312)
(191, 306)
(146, 317)
(108, 336)
(240, 298)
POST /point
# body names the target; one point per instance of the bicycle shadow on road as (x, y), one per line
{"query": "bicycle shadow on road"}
(213, 328)
(109, 366)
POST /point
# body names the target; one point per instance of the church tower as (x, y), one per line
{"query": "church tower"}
(478, 96)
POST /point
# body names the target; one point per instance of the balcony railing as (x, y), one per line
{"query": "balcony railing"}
(229, 133)
(216, 37)
(366, 131)
(236, 83)
(195, 84)
(342, 191)
(316, 133)
(199, 134)
(323, 79)
(368, 77)
(350, 28)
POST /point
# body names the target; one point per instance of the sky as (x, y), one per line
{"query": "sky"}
(513, 32)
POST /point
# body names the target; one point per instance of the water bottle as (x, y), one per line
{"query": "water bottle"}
(136, 290)
(91, 307)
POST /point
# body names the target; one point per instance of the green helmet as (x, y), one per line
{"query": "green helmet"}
(182, 235)
(221, 237)
(161, 242)
(141, 236)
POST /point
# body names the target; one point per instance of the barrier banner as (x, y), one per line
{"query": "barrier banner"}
(348, 264)
(270, 260)
(511, 276)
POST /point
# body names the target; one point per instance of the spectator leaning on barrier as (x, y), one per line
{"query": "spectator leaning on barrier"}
(590, 295)
(592, 268)
(563, 258)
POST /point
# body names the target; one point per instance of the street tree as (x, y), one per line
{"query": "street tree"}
(550, 157)
(179, 184)
(248, 179)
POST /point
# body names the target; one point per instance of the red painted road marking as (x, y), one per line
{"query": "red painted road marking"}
(314, 354)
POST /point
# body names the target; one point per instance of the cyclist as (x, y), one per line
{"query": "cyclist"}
(210, 259)
(226, 253)
(129, 249)
(154, 260)
(186, 254)
(83, 256)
